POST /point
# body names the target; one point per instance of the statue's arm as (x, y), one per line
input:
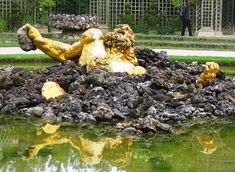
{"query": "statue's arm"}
(54, 49)
(74, 51)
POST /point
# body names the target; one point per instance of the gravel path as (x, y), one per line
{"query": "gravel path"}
(17, 50)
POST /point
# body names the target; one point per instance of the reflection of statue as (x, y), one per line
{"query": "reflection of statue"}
(117, 151)
(209, 74)
(208, 143)
(114, 51)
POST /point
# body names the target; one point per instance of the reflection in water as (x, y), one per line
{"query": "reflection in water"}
(51, 140)
(91, 152)
(117, 151)
(50, 129)
(97, 148)
(207, 142)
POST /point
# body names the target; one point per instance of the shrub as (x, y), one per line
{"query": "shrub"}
(176, 23)
(3, 25)
(29, 20)
(127, 17)
(152, 16)
(140, 29)
(165, 30)
(153, 22)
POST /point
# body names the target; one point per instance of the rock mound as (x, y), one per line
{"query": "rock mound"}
(166, 95)
(72, 21)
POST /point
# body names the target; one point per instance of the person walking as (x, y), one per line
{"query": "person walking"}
(185, 19)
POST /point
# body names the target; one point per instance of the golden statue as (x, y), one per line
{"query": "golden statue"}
(114, 51)
(52, 90)
(211, 69)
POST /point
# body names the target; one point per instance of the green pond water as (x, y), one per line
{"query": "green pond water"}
(197, 147)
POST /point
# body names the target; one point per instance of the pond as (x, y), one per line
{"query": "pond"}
(84, 147)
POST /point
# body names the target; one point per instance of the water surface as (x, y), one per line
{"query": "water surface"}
(85, 147)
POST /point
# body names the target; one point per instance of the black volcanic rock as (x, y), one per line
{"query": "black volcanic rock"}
(167, 94)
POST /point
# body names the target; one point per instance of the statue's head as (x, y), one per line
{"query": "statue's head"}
(122, 38)
(91, 34)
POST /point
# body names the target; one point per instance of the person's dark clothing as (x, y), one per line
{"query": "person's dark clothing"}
(185, 12)
(186, 21)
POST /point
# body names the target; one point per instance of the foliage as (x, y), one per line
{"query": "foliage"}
(176, 23)
(127, 17)
(46, 4)
(153, 21)
(73, 6)
(16, 16)
(165, 30)
(3, 25)
(152, 16)
(179, 3)
(141, 29)
(195, 1)
(28, 19)
(45, 7)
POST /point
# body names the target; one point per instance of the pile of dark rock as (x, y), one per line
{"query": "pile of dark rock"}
(167, 95)
(72, 21)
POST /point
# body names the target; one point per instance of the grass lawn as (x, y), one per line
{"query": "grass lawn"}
(27, 61)
(227, 63)
(9, 45)
(186, 48)
(229, 70)
(183, 42)
(204, 59)
(29, 66)
(178, 58)
(24, 57)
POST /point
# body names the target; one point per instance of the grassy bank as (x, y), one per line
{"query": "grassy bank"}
(5, 57)
(227, 64)
(178, 58)
(28, 66)
(229, 70)
(229, 60)
(188, 48)
(37, 61)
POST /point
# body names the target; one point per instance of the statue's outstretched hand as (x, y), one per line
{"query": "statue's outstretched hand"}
(24, 41)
